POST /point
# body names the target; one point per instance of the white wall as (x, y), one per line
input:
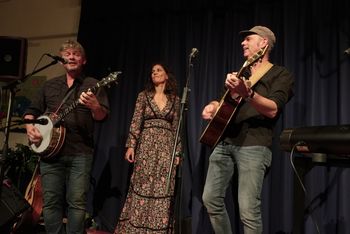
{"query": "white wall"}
(45, 24)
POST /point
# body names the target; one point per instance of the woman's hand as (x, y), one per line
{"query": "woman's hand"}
(177, 160)
(130, 155)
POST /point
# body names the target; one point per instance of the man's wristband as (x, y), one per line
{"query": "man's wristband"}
(250, 96)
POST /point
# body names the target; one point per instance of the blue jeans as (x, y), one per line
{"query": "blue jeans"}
(65, 181)
(251, 162)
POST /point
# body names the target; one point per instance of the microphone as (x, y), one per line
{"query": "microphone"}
(57, 58)
(347, 51)
(194, 52)
(35, 121)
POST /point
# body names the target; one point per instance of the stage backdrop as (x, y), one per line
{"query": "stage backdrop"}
(311, 39)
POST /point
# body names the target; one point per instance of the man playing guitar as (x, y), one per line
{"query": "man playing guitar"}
(247, 138)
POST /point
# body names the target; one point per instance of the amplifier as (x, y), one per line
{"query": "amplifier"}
(12, 203)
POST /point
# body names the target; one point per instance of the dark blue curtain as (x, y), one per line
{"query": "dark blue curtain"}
(311, 39)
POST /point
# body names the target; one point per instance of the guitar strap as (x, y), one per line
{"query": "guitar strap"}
(65, 99)
(253, 79)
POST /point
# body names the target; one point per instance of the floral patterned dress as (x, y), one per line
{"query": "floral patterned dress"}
(148, 207)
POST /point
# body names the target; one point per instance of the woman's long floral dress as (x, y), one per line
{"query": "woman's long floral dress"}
(148, 207)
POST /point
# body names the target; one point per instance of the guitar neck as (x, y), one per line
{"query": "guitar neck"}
(67, 110)
(71, 107)
(107, 81)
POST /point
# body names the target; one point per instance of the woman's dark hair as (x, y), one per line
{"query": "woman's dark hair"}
(171, 84)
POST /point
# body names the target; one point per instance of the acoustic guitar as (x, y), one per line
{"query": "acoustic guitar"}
(227, 108)
(53, 134)
(34, 197)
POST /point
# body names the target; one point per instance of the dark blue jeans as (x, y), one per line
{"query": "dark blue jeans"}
(65, 181)
(252, 162)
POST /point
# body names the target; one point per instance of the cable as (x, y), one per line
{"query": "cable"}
(293, 166)
(301, 182)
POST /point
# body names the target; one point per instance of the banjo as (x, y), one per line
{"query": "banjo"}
(53, 134)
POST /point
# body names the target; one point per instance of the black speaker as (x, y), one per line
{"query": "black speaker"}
(13, 58)
(12, 204)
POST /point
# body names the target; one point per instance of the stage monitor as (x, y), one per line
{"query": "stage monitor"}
(13, 58)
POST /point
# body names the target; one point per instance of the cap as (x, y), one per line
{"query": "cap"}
(261, 31)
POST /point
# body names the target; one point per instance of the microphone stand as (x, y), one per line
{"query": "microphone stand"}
(183, 108)
(13, 89)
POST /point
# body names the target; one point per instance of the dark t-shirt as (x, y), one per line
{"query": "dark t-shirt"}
(248, 127)
(79, 122)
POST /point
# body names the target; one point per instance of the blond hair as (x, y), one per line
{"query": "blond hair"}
(70, 44)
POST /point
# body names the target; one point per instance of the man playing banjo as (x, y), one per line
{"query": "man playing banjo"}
(65, 175)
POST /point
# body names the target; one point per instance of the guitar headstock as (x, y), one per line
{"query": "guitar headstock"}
(255, 57)
(108, 80)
